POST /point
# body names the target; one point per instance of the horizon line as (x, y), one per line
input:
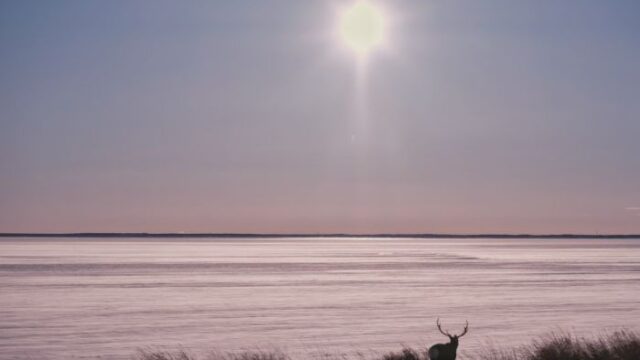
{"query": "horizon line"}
(310, 235)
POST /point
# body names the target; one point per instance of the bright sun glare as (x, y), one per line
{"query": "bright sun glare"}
(362, 27)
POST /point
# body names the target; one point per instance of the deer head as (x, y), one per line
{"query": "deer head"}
(453, 338)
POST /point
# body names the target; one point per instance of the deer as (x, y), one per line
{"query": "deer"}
(446, 351)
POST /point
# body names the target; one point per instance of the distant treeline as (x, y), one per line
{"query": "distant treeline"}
(335, 235)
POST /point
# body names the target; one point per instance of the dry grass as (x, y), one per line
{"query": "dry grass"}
(146, 354)
(621, 345)
(163, 355)
(406, 354)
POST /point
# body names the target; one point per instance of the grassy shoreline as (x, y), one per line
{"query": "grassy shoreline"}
(620, 345)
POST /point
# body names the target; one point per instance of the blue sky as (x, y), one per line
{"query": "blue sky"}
(492, 116)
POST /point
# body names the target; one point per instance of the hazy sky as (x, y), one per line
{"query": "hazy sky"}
(248, 116)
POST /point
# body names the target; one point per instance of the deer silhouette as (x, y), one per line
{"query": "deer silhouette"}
(446, 351)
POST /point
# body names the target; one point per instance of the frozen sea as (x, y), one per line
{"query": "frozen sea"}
(88, 298)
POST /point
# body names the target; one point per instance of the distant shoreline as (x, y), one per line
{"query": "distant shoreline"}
(332, 235)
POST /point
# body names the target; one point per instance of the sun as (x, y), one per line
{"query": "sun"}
(362, 27)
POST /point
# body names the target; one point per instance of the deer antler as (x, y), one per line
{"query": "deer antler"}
(466, 328)
(440, 328)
